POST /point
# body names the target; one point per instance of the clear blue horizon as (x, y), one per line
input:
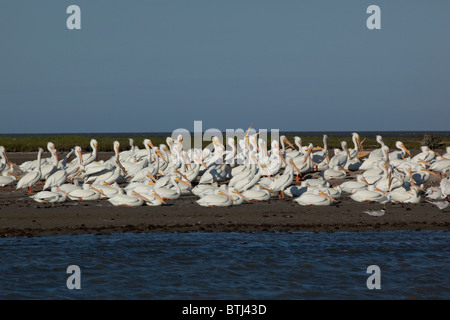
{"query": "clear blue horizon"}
(156, 66)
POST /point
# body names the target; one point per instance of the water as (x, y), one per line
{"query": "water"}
(218, 266)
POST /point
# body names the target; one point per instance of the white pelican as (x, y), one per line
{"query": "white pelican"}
(283, 181)
(86, 193)
(49, 197)
(369, 195)
(32, 177)
(353, 186)
(445, 187)
(434, 193)
(7, 179)
(321, 155)
(399, 154)
(4, 163)
(446, 155)
(425, 156)
(56, 179)
(377, 153)
(296, 190)
(258, 193)
(402, 195)
(125, 200)
(218, 199)
(319, 182)
(340, 159)
(203, 189)
(353, 153)
(170, 194)
(315, 198)
(442, 166)
(91, 157)
(238, 197)
(382, 156)
(151, 199)
(335, 173)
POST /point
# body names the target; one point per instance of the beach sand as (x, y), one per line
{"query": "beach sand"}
(22, 216)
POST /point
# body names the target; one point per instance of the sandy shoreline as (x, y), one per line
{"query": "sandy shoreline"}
(20, 216)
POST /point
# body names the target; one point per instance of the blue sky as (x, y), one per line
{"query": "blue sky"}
(159, 65)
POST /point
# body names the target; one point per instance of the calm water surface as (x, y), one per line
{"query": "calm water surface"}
(228, 266)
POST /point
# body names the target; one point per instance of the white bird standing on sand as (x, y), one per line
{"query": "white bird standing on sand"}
(440, 204)
(375, 213)
(32, 177)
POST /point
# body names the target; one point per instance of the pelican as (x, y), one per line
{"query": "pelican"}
(340, 159)
(86, 193)
(402, 195)
(4, 159)
(125, 200)
(56, 179)
(315, 198)
(7, 179)
(401, 153)
(369, 195)
(335, 173)
(258, 193)
(203, 189)
(425, 156)
(170, 194)
(354, 186)
(434, 193)
(377, 153)
(282, 182)
(218, 199)
(151, 199)
(91, 157)
(32, 177)
(49, 197)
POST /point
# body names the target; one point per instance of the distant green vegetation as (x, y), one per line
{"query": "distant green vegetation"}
(66, 143)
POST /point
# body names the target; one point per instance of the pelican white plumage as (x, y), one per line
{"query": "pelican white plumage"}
(425, 156)
(353, 186)
(170, 194)
(335, 173)
(56, 179)
(32, 177)
(369, 195)
(315, 198)
(86, 193)
(402, 195)
(341, 158)
(152, 198)
(434, 193)
(218, 199)
(91, 157)
(283, 181)
(258, 193)
(377, 153)
(125, 200)
(48, 197)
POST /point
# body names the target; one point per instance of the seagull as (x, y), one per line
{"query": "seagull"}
(375, 213)
(440, 204)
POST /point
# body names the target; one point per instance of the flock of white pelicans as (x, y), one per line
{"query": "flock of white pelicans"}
(227, 176)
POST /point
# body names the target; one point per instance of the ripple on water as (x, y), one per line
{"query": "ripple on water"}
(414, 265)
